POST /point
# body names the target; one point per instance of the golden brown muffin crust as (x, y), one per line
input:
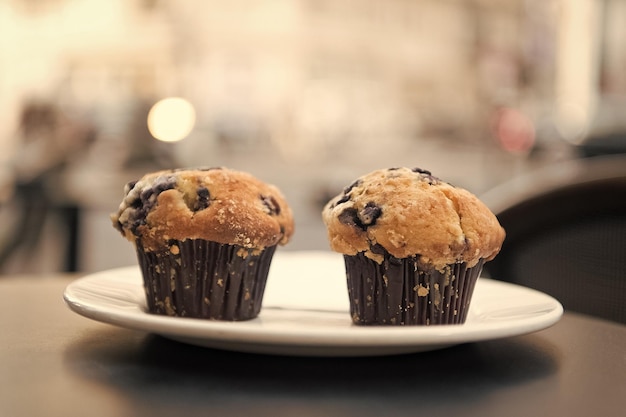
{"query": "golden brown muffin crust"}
(412, 213)
(218, 204)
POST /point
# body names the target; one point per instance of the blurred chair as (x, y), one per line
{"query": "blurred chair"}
(48, 142)
(566, 234)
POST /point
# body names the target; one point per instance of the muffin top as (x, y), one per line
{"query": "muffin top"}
(411, 213)
(215, 204)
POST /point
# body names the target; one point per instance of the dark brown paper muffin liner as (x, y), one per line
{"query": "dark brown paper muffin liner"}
(204, 279)
(403, 292)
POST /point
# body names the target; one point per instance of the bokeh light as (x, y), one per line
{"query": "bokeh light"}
(171, 119)
(514, 130)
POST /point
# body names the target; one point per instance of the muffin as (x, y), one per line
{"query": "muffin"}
(413, 245)
(204, 239)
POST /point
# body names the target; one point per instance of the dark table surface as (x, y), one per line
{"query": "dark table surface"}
(56, 363)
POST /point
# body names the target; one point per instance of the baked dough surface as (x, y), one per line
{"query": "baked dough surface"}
(216, 204)
(411, 213)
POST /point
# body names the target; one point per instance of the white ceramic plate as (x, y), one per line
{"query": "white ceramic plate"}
(306, 312)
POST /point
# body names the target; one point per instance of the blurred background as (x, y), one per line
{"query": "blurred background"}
(305, 94)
